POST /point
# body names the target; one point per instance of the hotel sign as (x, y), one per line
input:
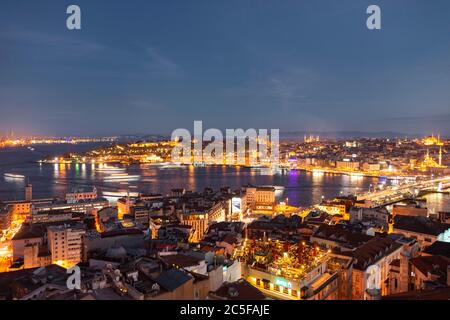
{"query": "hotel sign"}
(283, 283)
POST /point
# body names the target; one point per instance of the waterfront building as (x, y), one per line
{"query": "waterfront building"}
(333, 207)
(20, 208)
(347, 165)
(84, 206)
(50, 216)
(368, 166)
(409, 209)
(81, 194)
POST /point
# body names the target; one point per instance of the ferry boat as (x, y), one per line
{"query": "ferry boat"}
(121, 177)
(119, 194)
(172, 166)
(14, 176)
(110, 169)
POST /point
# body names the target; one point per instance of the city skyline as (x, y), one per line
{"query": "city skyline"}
(224, 155)
(154, 67)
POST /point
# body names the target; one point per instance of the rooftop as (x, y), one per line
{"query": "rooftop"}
(420, 224)
(239, 290)
(372, 251)
(439, 248)
(436, 265)
(342, 236)
(180, 260)
(173, 278)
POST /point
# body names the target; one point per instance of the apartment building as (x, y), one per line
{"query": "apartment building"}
(66, 243)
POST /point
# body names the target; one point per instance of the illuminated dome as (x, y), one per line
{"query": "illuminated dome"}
(432, 141)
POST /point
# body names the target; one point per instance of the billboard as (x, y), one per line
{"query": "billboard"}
(236, 205)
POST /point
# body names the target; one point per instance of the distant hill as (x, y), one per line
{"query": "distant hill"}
(291, 135)
(346, 134)
(142, 137)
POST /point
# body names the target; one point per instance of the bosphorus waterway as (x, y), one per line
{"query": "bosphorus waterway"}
(54, 180)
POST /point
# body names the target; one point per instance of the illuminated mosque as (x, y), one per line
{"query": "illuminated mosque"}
(433, 141)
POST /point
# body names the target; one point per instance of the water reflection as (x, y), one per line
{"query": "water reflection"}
(438, 202)
(302, 188)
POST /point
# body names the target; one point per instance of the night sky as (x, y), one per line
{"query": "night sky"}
(151, 66)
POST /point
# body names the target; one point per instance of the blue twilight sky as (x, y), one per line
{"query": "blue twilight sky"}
(150, 66)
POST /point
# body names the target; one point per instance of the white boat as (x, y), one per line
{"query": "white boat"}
(119, 194)
(110, 169)
(14, 176)
(172, 166)
(121, 177)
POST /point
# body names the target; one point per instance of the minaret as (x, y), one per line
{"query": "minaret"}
(440, 156)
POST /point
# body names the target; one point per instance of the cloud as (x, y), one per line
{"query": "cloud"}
(161, 65)
(431, 118)
(146, 105)
(287, 89)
